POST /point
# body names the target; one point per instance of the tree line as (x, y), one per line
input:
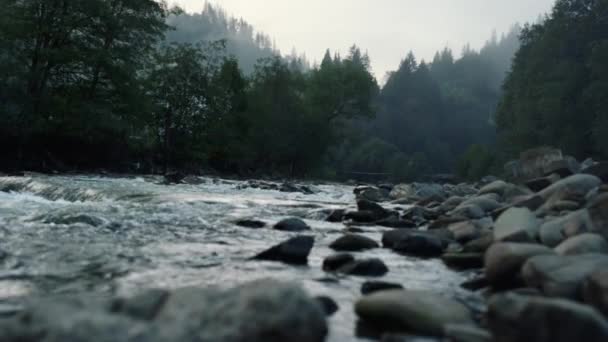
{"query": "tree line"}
(133, 85)
(92, 84)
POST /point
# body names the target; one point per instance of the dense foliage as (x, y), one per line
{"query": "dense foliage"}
(95, 84)
(556, 92)
(429, 115)
(133, 85)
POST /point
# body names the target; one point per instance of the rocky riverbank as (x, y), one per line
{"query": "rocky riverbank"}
(532, 255)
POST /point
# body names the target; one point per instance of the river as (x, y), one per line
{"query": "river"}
(74, 234)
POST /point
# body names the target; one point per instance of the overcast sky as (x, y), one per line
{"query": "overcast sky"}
(387, 29)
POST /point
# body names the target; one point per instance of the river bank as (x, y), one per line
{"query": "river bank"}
(133, 259)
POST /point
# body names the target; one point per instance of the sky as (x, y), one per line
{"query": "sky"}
(386, 29)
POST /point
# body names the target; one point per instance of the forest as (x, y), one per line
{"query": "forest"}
(138, 86)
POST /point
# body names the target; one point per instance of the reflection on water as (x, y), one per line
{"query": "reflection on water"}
(122, 235)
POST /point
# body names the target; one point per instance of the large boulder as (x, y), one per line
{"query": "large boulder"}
(583, 244)
(366, 268)
(417, 190)
(372, 194)
(595, 291)
(353, 243)
(515, 318)
(598, 211)
(293, 224)
(561, 276)
(573, 187)
(599, 170)
(503, 262)
(293, 251)
(555, 231)
(421, 312)
(516, 225)
(189, 314)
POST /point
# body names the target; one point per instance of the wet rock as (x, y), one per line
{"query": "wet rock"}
(395, 222)
(599, 170)
(288, 314)
(497, 187)
(328, 305)
(417, 190)
(377, 210)
(479, 245)
(561, 276)
(70, 219)
(463, 261)
(450, 204)
(250, 223)
(486, 202)
(469, 211)
(361, 216)
(595, 291)
(598, 211)
(516, 225)
(514, 318)
(336, 215)
(466, 231)
(334, 262)
(555, 231)
(503, 262)
(466, 333)
(293, 251)
(419, 244)
(353, 243)
(538, 184)
(372, 194)
(68, 320)
(290, 187)
(173, 178)
(144, 306)
(292, 225)
(583, 244)
(370, 287)
(576, 186)
(366, 268)
(422, 312)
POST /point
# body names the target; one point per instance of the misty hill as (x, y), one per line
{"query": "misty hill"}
(429, 114)
(213, 23)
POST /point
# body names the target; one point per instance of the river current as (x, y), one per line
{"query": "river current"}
(109, 235)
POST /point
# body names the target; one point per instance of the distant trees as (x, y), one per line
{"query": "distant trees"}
(556, 92)
(428, 115)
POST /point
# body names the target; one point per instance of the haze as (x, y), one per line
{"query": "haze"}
(387, 29)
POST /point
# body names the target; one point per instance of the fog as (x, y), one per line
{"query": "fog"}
(386, 28)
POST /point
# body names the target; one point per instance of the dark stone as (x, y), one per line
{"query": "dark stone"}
(255, 224)
(395, 222)
(599, 170)
(366, 268)
(463, 261)
(515, 318)
(361, 216)
(538, 184)
(419, 244)
(173, 178)
(336, 215)
(328, 305)
(334, 262)
(374, 286)
(293, 251)
(353, 243)
(292, 225)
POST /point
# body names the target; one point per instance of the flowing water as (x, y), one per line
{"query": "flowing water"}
(72, 234)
